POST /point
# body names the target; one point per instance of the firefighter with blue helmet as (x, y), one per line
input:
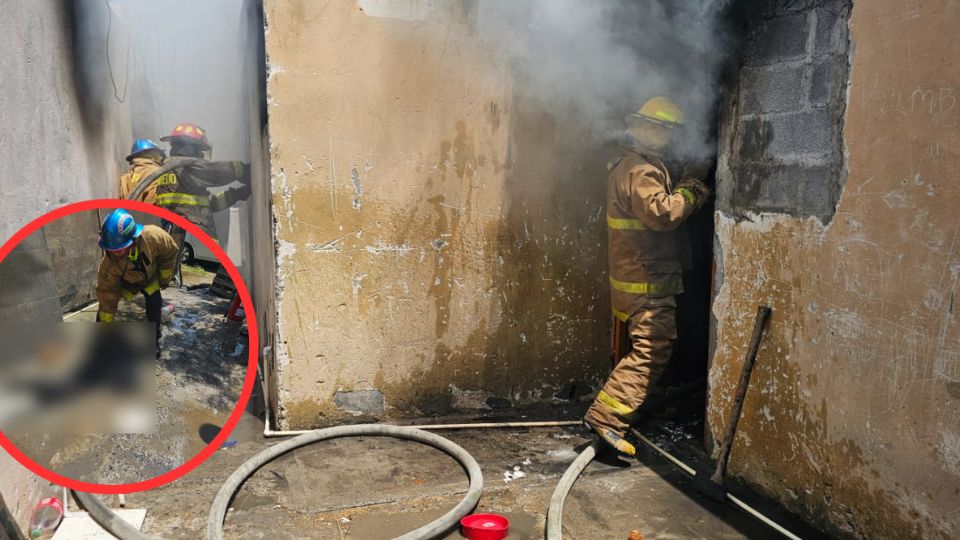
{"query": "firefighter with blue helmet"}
(145, 157)
(137, 259)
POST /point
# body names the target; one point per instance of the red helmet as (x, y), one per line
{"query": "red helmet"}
(194, 133)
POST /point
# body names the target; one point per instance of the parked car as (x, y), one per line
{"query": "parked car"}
(194, 250)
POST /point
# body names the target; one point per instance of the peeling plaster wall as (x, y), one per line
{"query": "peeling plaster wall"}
(853, 415)
(62, 141)
(439, 234)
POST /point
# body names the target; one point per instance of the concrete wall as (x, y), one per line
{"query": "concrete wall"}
(837, 208)
(439, 231)
(75, 257)
(63, 136)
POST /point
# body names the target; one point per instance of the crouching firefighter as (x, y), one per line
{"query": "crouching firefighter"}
(644, 210)
(137, 259)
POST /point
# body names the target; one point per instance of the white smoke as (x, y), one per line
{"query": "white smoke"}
(186, 60)
(601, 59)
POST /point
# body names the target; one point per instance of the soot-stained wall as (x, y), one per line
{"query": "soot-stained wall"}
(837, 208)
(440, 241)
(64, 135)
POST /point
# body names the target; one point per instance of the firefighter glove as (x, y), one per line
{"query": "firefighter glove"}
(694, 191)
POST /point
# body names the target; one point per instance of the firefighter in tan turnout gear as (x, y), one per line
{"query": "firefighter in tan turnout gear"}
(644, 209)
(137, 259)
(145, 157)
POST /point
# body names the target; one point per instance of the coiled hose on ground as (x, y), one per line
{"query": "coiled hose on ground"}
(121, 529)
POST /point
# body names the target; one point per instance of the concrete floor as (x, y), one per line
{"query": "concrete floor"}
(375, 488)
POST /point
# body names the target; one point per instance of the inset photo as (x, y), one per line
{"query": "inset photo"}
(126, 346)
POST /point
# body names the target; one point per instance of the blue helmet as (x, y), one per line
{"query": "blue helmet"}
(119, 230)
(140, 146)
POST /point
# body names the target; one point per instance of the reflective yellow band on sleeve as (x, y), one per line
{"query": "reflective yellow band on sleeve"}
(166, 273)
(690, 196)
(617, 407)
(621, 315)
(152, 288)
(673, 286)
(171, 199)
(625, 224)
(237, 169)
(105, 317)
(126, 295)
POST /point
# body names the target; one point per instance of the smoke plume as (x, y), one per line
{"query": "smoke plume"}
(601, 59)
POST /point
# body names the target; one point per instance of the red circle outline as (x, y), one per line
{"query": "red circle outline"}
(252, 345)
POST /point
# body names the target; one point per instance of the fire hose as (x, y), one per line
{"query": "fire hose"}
(112, 523)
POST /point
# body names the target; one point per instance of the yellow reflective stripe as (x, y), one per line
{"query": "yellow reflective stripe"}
(617, 407)
(105, 317)
(167, 199)
(152, 288)
(166, 273)
(165, 179)
(625, 224)
(237, 169)
(674, 286)
(690, 196)
(666, 116)
(620, 315)
(127, 295)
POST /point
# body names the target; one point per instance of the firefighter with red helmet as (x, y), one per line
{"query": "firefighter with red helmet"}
(186, 192)
(184, 180)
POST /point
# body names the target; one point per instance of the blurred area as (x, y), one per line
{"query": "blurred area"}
(98, 402)
(82, 378)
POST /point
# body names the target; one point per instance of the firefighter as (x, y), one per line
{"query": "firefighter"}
(145, 157)
(644, 210)
(137, 259)
(183, 188)
(186, 194)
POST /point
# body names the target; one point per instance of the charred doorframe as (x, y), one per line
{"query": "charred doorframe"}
(260, 206)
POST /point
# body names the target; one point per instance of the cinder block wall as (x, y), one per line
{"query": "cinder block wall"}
(837, 207)
(75, 257)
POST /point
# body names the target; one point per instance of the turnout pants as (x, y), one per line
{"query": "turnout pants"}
(652, 331)
(179, 235)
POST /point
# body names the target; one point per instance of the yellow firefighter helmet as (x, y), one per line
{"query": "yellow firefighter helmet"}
(661, 110)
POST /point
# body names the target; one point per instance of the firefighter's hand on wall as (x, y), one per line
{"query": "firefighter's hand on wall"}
(696, 192)
(227, 198)
(241, 172)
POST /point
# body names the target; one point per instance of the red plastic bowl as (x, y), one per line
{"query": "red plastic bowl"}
(484, 526)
